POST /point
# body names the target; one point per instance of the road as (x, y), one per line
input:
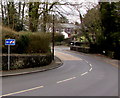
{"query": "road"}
(80, 75)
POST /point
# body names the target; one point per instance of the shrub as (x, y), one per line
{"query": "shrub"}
(26, 42)
(38, 43)
(8, 33)
(59, 37)
(22, 44)
(110, 54)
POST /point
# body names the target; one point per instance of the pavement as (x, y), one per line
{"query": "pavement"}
(55, 64)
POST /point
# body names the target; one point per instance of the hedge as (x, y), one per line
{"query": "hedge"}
(38, 43)
(81, 49)
(59, 37)
(31, 49)
(18, 61)
(26, 42)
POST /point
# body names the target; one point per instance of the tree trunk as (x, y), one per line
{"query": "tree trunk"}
(23, 9)
(33, 16)
(45, 17)
(2, 12)
(5, 10)
(36, 16)
(8, 14)
(19, 9)
(30, 16)
(13, 16)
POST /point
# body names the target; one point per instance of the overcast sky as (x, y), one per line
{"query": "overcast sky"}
(71, 13)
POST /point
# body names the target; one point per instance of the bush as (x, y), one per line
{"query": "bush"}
(26, 42)
(21, 41)
(109, 54)
(8, 33)
(22, 44)
(59, 37)
(38, 43)
(34, 44)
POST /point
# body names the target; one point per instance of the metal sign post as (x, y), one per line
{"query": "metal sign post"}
(9, 42)
(8, 57)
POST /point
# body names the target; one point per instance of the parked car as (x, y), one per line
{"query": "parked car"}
(75, 43)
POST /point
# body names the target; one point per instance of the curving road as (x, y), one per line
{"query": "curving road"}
(80, 75)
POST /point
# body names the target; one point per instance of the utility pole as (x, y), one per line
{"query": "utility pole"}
(53, 33)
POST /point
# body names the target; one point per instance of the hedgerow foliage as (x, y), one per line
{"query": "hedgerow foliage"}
(26, 42)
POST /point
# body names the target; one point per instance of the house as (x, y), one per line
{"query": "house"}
(66, 35)
(67, 29)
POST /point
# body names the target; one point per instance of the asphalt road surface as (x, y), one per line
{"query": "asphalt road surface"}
(80, 75)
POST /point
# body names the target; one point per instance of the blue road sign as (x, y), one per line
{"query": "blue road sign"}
(10, 42)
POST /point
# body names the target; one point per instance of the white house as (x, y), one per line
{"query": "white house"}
(66, 35)
(67, 29)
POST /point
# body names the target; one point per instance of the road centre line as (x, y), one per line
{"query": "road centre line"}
(66, 80)
(84, 73)
(86, 61)
(90, 69)
(22, 91)
(90, 65)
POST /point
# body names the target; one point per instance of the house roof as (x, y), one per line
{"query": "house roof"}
(68, 25)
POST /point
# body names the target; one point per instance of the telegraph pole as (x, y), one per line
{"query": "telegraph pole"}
(53, 33)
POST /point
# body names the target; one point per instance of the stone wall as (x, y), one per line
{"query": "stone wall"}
(18, 61)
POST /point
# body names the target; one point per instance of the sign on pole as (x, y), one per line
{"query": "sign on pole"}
(9, 42)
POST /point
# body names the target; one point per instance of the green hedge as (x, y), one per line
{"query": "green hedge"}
(38, 43)
(26, 42)
(59, 37)
(80, 49)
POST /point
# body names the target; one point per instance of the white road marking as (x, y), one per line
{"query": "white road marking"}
(90, 69)
(66, 80)
(90, 65)
(22, 91)
(84, 73)
(87, 61)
